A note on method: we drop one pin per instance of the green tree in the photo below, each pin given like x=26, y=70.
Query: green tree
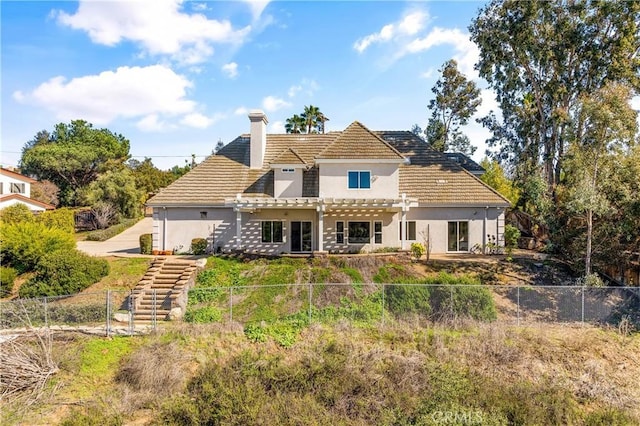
x=495, y=177
x=456, y=100
x=312, y=120
x=119, y=188
x=294, y=124
x=73, y=156
x=541, y=57
x=608, y=130
x=148, y=177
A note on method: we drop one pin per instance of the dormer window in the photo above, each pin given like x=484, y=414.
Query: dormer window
x=288, y=170
x=360, y=179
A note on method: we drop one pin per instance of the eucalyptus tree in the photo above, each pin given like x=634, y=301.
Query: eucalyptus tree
x=541, y=58
x=456, y=100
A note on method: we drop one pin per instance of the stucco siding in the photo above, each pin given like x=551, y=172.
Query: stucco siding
x=287, y=185
x=334, y=180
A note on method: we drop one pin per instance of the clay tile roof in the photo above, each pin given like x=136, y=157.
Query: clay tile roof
x=431, y=177
x=16, y=175
x=358, y=142
x=288, y=156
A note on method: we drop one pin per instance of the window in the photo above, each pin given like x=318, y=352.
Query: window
x=458, y=236
x=340, y=232
x=288, y=170
x=359, y=232
x=203, y=215
x=359, y=180
x=17, y=188
x=377, y=232
x=272, y=231
x=410, y=235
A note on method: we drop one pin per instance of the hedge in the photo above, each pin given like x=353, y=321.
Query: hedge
x=7, y=278
x=112, y=231
x=64, y=272
x=146, y=243
x=198, y=246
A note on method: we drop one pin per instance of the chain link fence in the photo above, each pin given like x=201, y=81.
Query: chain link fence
x=123, y=312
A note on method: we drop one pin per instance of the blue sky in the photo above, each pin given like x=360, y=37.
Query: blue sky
x=174, y=77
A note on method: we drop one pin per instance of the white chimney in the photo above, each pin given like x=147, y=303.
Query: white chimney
x=258, y=140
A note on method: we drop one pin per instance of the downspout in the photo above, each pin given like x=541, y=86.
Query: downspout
x=164, y=229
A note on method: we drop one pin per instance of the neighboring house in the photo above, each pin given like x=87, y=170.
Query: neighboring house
x=340, y=192
x=16, y=188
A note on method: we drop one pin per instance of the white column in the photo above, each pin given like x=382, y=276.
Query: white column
x=403, y=226
x=164, y=229
x=238, y=229
x=484, y=230
x=320, y=227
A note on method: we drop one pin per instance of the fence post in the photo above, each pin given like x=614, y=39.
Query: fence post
x=230, y=305
x=583, y=306
x=108, y=319
x=310, y=295
x=382, y=310
x=452, y=310
x=518, y=306
x=46, y=314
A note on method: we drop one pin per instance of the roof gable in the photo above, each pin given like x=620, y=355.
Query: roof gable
x=288, y=156
x=357, y=142
x=16, y=175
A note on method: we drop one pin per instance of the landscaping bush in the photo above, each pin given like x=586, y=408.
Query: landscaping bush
x=417, y=250
x=16, y=213
x=105, y=234
x=64, y=272
x=462, y=301
x=203, y=315
x=60, y=219
x=198, y=246
x=7, y=277
x=25, y=243
x=404, y=299
x=146, y=243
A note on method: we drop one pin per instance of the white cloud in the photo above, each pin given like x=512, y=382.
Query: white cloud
x=306, y=86
x=151, y=123
x=127, y=92
x=466, y=55
x=277, y=127
x=428, y=73
x=257, y=7
x=241, y=111
x=411, y=24
x=197, y=120
x=230, y=69
x=272, y=103
x=160, y=27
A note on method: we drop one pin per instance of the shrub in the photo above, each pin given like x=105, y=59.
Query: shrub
x=199, y=246
x=462, y=300
x=417, y=250
x=61, y=219
x=146, y=243
x=203, y=315
x=64, y=272
x=511, y=236
x=403, y=299
x=16, y=213
x=105, y=234
x=7, y=277
x=25, y=243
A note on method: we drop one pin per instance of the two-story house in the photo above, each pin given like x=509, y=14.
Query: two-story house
x=16, y=188
x=340, y=192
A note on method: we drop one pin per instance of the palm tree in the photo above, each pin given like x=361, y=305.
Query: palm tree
x=295, y=124
x=321, y=120
x=310, y=116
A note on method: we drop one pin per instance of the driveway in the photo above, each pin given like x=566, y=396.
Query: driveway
x=127, y=243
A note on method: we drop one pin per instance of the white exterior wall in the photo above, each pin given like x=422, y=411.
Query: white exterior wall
x=174, y=228
x=436, y=220
x=287, y=185
x=219, y=227
x=6, y=186
x=334, y=181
